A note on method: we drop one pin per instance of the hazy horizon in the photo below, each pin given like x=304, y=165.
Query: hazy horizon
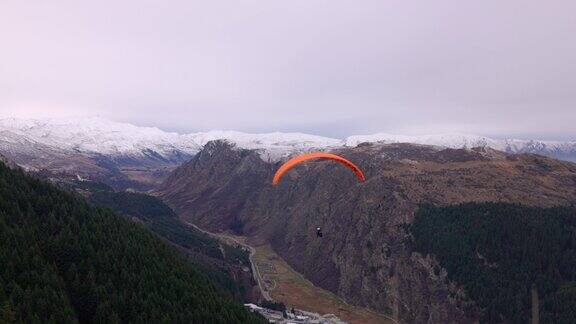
x=497, y=69
x=185, y=132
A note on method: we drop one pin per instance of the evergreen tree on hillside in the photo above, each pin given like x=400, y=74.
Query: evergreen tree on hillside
x=64, y=261
x=214, y=258
x=500, y=251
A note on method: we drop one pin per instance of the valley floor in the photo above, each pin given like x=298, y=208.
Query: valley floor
x=291, y=288
x=279, y=282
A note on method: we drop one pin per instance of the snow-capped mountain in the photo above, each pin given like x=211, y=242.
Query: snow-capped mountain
x=272, y=146
x=561, y=150
x=446, y=140
x=114, y=139
x=100, y=136
x=125, y=155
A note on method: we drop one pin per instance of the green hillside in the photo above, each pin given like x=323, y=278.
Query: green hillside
x=64, y=261
x=159, y=218
x=498, y=252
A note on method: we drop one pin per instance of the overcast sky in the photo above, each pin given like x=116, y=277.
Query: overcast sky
x=334, y=68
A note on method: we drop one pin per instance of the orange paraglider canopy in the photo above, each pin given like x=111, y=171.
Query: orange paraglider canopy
x=318, y=155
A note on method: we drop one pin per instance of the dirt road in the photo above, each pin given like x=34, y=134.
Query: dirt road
x=255, y=271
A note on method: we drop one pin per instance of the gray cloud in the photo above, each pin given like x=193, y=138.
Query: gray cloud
x=500, y=68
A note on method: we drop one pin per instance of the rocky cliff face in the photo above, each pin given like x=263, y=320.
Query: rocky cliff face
x=363, y=256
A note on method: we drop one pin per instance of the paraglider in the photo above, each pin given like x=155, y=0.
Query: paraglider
x=318, y=155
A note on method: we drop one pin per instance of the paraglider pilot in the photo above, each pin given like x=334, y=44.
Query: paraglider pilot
x=293, y=162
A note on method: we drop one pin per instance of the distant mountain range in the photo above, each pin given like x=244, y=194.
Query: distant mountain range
x=115, y=139
x=564, y=150
x=127, y=156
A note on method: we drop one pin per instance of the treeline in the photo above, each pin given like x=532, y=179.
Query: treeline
x=499, y=251
x=212, y=257
x=160, y=218
x=63, y=261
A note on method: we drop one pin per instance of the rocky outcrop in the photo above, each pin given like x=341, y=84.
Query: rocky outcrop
x=363, y=256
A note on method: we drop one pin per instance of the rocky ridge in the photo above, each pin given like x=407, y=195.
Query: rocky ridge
x=132, y=157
